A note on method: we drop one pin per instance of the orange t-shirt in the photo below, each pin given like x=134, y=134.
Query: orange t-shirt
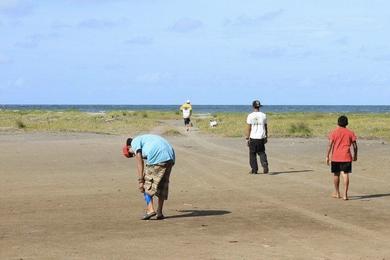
x=342, y=139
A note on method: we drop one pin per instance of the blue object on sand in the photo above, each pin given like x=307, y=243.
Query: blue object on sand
x=148, y=198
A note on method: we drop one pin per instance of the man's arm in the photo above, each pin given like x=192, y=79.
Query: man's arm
x=140, y=171
x=266, y=133
x=248, y=132
x=355, y=151
x=328, y=152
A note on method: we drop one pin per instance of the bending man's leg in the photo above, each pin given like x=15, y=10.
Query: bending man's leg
x=163, y=189
x=150, y=205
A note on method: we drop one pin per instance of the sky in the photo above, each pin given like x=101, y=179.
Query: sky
x=160, y=52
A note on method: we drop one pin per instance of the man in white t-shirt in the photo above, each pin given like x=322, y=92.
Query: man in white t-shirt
x=256, y=137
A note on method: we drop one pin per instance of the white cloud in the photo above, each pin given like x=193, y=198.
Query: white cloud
x=378, y=79
x=383, y=57
x=4, y=59
x=140, y=40
x=244, y=20
x=185, y=25
x=268, y=53
x=96, y=24
x=60, y=25
x=153, y=78
x=16, y=7
x=342, y=41
x=95, y=1
x=33, y=40
x=16, y=83
x=6, y=4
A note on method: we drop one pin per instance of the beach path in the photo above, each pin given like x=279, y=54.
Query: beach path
x=74, y=196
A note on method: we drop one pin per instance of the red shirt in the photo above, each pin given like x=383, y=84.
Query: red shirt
x=342, y=139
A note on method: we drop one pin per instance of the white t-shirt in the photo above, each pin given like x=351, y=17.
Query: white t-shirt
x=186, y=113
x=257, y=120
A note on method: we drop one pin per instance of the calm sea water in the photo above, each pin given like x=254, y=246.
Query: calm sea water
x=200, y=109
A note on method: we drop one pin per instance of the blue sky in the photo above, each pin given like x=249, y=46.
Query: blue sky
x=212, y=52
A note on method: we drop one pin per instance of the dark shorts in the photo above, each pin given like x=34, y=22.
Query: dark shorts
x=338, y=167
x=187, y=121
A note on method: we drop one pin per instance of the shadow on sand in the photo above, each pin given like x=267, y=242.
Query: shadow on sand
x=199, y=213
x=297, y=171
x=372, y=196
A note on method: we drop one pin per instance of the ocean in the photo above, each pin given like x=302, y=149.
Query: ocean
x=207, y=109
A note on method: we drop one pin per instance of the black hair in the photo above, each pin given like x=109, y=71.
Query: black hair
x=128, y=141
x=342, y=121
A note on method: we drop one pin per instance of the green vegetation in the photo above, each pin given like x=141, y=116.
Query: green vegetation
x=20, y=124
x=366, y=126
x=172, y=132
x=300, y=129
x=115, y=122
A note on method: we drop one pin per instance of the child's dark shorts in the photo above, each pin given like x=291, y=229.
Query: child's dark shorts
x=187, y=121
x=338, y=167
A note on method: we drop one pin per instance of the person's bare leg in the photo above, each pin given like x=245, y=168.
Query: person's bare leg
x=346, y=185
x=160, y=207
x=336, y=183
x=150, y=207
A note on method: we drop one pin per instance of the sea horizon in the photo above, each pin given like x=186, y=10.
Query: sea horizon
x=200, y=109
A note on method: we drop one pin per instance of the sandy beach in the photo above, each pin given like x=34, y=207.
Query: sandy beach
x=74, y=196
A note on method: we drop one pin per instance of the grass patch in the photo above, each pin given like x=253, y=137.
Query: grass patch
x=115, y=122
x=172, y=132
x=20, y=124
x=366, y=126
x=299, y=130
x=298, y=124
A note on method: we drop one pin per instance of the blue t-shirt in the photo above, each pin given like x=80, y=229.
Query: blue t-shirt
x=154, y=148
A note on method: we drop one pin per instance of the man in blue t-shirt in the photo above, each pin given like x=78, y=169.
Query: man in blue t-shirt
x=153, y=176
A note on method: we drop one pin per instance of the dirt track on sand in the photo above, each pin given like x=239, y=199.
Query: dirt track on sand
x=74, y=196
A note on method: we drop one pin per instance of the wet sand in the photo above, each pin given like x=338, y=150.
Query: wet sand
x=74, y=196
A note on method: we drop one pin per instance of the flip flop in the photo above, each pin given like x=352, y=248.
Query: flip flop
x=160, y=217
x=148, y=215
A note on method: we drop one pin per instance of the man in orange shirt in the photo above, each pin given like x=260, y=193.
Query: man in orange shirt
x=339, y=155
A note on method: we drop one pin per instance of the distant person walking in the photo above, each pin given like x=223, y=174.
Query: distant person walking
x=186, y=110
x=256, y=137
x=153, y=178
x=339, y=155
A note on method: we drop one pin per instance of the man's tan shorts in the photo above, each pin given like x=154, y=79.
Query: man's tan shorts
x=157, y=179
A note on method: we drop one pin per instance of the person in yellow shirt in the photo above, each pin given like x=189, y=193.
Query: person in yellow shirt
x=186, y=110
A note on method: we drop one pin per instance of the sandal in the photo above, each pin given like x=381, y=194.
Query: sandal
x=160, y=217
x=148, y=215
